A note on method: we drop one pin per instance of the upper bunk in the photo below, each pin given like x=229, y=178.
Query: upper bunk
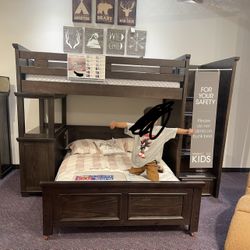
x=46, y=73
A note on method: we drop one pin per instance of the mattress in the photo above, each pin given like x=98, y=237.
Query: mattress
x=119, y=82
x=100, y=167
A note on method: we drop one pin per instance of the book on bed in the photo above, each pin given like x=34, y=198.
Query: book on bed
x=94, y=178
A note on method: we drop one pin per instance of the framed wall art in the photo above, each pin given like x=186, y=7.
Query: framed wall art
x=105, y=10
x=116, y=41
x=94, y=41
x=127, y=12
x=81, y=11
x=72, y=39
x=136, y=43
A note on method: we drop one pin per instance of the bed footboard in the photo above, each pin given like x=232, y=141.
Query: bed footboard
x=100, y=204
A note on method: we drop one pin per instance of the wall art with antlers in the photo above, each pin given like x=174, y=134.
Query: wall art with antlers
x=72, y=39
x=127, y=12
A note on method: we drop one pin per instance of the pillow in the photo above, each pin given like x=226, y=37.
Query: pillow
x=84, y=146
x=110, y=147
x=128, y=143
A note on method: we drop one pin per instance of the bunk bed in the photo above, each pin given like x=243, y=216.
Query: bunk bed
x=42, y=76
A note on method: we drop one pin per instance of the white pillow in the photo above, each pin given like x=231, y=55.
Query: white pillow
x=83, y=146
x=110, y=147
x=128, y=143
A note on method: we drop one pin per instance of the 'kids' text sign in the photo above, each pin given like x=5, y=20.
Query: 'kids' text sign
x=204, y=119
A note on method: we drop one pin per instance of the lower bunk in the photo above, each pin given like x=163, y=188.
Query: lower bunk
x=123, y=200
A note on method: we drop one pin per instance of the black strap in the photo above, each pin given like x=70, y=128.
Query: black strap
x=145, y=124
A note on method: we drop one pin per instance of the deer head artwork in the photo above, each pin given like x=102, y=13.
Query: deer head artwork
x=127, y=9
x=72, y=41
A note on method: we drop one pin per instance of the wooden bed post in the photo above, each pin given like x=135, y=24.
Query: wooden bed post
x=195, y=213
x=51, y=116
x=47, y=215
x=20, y=115
x=20, y=100
x=183, y=106
x=64, y=110
x=41, y=115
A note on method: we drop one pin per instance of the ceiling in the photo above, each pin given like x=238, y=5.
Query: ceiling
x=231, y=7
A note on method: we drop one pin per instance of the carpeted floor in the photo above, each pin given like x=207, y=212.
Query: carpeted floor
x=21, y=224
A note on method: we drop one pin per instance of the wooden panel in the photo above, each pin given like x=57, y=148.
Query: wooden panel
x=145, y=61
x=166, y=70
x=43, y=55
x=222, y=64
x=145, y=76
x=60, y=146
x=101, y=90
x=208, y=187
x=37, y=164
x=5, y=144
x=4, y=131
x=43, y=71
x=51, y=117
x=133, y=68
x=109, y=204
x=93, y=132
x=43, y=63
x=157, y=206
x=89, y=207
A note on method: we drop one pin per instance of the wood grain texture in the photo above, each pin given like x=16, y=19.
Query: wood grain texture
x=120, y=204
x=74, y=88
x=5, y=142
x=93, y=132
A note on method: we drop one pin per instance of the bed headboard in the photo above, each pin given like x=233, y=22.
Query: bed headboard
x=76, y=132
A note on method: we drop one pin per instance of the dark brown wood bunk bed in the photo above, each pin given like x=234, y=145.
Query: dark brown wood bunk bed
x=100, y=203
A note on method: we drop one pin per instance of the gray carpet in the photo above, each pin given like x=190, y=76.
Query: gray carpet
x=21, y=224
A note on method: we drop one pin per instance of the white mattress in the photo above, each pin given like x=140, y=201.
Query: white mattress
x=121, y=82
x=79, y=165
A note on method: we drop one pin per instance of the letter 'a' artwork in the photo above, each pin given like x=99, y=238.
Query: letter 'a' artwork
x=105, y=10
x=127, y=12
x=81, y=11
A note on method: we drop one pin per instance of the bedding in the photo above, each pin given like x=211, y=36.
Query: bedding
x=85, y=146
x=121, y=82
x=110, y=147
x=117, y=165
x=128, y=143
x=94, y=146
x=106, y=147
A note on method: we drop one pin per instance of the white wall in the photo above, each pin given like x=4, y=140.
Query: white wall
x=238, y=142
x=173, y=29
